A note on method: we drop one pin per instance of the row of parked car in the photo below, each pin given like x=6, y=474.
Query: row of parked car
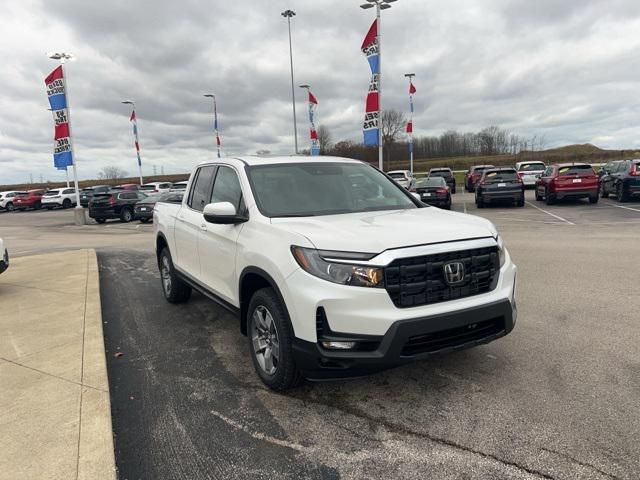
x=126, y=202
x=617, y=178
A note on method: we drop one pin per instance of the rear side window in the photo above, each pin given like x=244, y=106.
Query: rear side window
x=68, y=191
x=227, y=188
x=201, y=190
x=575, y=170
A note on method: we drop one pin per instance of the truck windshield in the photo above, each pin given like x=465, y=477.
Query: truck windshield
x=314, y=188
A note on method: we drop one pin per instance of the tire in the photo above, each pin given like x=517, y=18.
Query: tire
x=37, y=206
x=144, y=220
x=453, y=190
x=520, y=203
x=126, y=215
x=101, y=220
x=479, y=202
x=269, y=333
x=9, y=207
x=174, y=289
x=66, y=203
x=621, y=195
x=594, y=198
x=538, y=196
x=548, y=198
x=603, y=192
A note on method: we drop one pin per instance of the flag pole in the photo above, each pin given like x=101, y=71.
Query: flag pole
x=379, y=33
x=410, y=77
x=215, y=120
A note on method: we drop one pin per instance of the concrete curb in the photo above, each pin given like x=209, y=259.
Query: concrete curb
x=54, y=390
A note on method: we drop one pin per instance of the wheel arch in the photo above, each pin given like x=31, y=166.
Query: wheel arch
x=161, y=242
x=251, y=280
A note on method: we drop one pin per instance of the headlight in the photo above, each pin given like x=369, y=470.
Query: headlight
x=310, y=261
x=501, y=250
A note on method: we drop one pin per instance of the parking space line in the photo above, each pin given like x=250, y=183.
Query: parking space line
x=626, y=208
x=549, y=213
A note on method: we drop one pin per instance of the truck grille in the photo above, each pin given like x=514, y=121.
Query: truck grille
x=453, y=337
x=416, y=281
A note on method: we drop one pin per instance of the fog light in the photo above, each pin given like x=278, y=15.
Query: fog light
x=338, y=345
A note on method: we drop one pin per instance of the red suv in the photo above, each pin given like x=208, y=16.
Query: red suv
x=473, y=175
x=30, y=199
x=567, y=180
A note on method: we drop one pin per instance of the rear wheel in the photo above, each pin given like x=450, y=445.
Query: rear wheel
x=9, y=206
x=174, y=289
x=101, y=220
x=126, y=215
x=621, y=195
x=593, y=198
x=549, y=198
x=270, y=341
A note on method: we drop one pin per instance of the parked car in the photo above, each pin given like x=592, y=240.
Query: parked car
x=7, y=199
x=529, y=172
x=155, y=187
x=567, y=180
x=610, y=166
x=500, y=184
x=126, y=186
x=473, y=176
x=86, y=194
x=179, y=187
x=327, y=282
x=447, y=174
x=143, y=210
x=60, y=197
x=30, y=199
x=404, y=178
x=114, y=204
x=4, y=260
x=623, y=182
x=434, y=191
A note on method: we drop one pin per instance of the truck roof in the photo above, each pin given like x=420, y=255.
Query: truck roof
x=270, y=160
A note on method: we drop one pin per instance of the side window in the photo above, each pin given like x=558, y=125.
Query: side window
x=227, y=188
x=201, y=189
x=624, y=166
x=68, y=191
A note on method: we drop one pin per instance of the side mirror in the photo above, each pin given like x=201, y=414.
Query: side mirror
x=223, y=213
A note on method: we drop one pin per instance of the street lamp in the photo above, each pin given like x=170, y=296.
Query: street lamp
x=380, y=5
x=215, y=120
x=288, y=14
x=134, y=120
x=62, y=57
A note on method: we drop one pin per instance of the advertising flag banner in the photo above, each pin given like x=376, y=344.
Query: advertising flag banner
x=134, y=123
x=313, y=134
x=412, y=90
x=62, y=156
x=371, y=123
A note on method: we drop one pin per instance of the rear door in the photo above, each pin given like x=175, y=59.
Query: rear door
x=190, y=221
x=217, y=244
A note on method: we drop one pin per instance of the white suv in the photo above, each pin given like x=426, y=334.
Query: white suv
x=61, y=197
x=403, y=177
x=530, y=171
x=6, y=200
x=333, y=269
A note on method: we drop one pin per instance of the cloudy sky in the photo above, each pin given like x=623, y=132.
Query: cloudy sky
x=568, y=70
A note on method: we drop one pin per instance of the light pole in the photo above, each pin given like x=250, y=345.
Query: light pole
x=288, y=14
x=410, y=77
x=380, y=5
x=134, y=121
x=215, y=120
x=62, y=57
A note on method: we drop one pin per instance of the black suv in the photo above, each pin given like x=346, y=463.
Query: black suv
x=500, y=184
x=114, y=204
x=86, y=194
x=623, y=181
x=445, y=173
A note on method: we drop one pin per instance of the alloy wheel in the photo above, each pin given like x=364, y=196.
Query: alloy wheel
x=265, y=340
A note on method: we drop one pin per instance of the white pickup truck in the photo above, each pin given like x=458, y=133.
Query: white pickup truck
x=332, y=268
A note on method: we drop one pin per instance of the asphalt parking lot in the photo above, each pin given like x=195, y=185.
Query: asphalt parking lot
x=559, y=398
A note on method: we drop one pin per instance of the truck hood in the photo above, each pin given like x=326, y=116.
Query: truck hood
x=375, y=232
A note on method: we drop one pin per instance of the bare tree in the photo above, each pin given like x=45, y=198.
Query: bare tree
x=324, y=139
x=394, y=123
x=111, y=172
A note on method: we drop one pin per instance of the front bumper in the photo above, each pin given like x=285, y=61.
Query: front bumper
x=407, y=341
x=138, y=214
x=4, y=262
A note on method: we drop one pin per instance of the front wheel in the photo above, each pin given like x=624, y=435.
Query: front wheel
x=66, y=203
x=270, y=341
x=621, y=195
x=603, y=192
x=174, y=289
x=548, y=198
x=126, y=216
x=10, y=207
